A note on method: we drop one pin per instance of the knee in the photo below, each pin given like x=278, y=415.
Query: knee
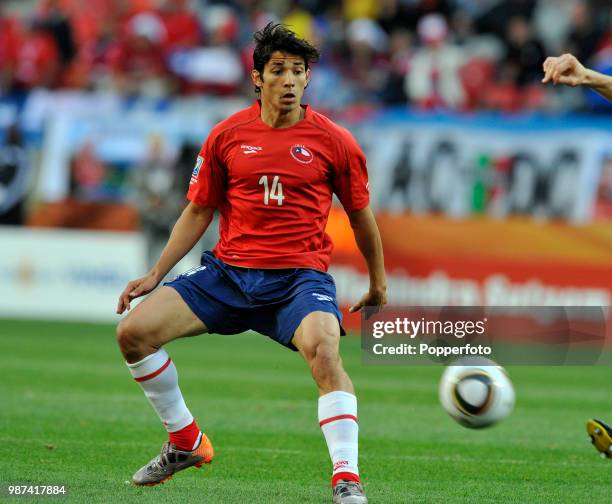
x=325, y=357
x=131, y=340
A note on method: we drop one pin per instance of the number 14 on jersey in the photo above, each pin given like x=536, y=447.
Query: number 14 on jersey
x=273, y=193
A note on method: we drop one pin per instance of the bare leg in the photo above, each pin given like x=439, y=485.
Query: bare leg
x=159, y=319
x=318, y=340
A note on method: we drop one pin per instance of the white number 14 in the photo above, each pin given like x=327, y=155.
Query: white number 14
x=276, y=193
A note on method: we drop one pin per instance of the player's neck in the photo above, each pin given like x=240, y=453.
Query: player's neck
x=280, y=119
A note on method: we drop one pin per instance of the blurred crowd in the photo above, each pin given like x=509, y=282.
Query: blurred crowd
x=431, y=54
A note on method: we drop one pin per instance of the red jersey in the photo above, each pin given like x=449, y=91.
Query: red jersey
x=274, y=187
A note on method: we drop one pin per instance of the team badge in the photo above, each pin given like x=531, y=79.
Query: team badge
x=301, y=154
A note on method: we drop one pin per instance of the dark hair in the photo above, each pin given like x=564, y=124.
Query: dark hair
x=277, y=37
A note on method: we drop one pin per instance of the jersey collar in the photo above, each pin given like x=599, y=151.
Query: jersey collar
x=257, y=109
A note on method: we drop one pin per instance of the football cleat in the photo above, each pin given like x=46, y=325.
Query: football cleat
x=601, y=437
x=349, y=492
x=172, y=460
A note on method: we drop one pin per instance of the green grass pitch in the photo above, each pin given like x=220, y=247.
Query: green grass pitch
x=70, y=414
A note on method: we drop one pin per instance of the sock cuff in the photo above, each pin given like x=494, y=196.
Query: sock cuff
x=182, y=423
x=337, y=404
x=151, y=365
x=345, y=476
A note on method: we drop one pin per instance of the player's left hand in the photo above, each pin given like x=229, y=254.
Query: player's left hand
x=374, y=297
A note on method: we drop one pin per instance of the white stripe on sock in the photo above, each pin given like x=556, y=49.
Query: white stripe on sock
x=197, y=443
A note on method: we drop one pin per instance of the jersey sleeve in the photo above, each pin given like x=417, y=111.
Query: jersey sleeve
x=351, y=175
x=207, y=183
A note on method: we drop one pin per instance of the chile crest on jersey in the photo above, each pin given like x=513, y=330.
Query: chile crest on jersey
x=295, y=160
x=301, y=153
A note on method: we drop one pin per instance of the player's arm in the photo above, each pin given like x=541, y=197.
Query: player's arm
x=566, y=69
x=369, y=242
x=188, y=229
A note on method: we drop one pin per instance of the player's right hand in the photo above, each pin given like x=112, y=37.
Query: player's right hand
x=564, y=69
x=134, y=289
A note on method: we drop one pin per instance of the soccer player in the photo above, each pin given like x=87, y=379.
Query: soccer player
x=271, y=170
x=566, y=69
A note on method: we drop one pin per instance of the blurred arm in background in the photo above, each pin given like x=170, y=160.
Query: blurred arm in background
x=566, y=69
x=188, y=229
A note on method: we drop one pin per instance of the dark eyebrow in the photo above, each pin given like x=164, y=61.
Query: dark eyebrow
x=281, y=63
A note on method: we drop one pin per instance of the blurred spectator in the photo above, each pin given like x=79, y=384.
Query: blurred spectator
x=460, y=54
x=37, y=59
x=182, y=25
x=525, y=53
x=9, y=48
x=14, y=178
x=517, y=76
x=87, y=174
x=475, y=8
x=300, y=20
x=585, y=34
x=92, y=68
x=367, y=43
x=553, y=35
x=52, y=18
x=159, y=196
x=495, y=19
x=138, y=60
x=216, y=68
x=400, y=54
x=123, y=10
x=87, y=16
x=433, y=80
x=476, y=77
x=360, y=9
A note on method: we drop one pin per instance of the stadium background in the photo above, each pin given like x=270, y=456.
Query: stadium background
x=489, y=188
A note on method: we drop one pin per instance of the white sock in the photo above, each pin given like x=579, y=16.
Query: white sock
x=157, y=376
x=338, y=421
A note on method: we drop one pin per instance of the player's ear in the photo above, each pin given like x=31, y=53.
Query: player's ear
x=307, y=78
x=256, y=78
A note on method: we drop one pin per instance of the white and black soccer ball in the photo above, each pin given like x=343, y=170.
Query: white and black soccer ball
x=476, y=392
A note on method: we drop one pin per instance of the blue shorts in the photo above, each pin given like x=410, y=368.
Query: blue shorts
x=230, y=300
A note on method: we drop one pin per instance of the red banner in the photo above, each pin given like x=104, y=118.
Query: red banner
x=432, y=260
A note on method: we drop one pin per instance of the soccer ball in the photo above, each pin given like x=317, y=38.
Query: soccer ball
x=476, y=392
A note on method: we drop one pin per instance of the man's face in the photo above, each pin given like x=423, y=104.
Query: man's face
x=283, y=81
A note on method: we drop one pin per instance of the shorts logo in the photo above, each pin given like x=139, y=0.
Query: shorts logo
x=196, y=170
x=301, y=154
x=322, y=297
x=193, y=271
